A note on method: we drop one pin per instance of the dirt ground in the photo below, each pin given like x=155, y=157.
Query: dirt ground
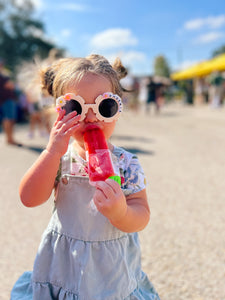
x=182, y=151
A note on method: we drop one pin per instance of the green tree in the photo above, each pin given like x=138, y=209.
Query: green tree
x=161, y=66
x=21, y=35
x=218, y=51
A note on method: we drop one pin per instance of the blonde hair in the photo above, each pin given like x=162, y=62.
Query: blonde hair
x=66, y=71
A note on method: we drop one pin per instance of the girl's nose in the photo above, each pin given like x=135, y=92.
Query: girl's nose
x=90, y=116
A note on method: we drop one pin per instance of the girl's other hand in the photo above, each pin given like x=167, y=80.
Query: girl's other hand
x=63, y=128
x=110, y=200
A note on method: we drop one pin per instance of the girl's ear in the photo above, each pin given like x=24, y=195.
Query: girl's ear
x=119, y=68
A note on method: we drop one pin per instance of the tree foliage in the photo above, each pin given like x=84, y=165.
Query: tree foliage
x=218, y=51
x=22, y=36
x=161, y=66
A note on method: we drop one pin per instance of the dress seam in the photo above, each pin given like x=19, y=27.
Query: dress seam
x=80, y=239
x=75, y=293
x=56, y=284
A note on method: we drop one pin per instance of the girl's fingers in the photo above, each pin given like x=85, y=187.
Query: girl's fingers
x=67, y=120
x=69, y=116
x=99, y=198
x=113, y=184
x=60, y=116
x=109, y=185
x=66, y=126
x=72, y=129
x=106, y=189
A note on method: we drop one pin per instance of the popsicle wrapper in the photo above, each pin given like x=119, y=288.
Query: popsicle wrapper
x=100, y=165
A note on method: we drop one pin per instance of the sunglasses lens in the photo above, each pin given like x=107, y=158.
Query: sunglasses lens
x=108, y=108
x=72, y=105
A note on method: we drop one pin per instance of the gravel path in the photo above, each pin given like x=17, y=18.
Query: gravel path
x=182, y=151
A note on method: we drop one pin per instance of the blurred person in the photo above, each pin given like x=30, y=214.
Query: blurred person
x=22, y=106
x=134, y=93
x=8, y=106
x=127, y=84
x=47, y=103
x=198, y=90
x=39, y=104
x=223, y=90
x=205, y=90
x=160, y=94
x=152, y=95
x=40, y=113
x=143, y=93
x=35, y=117
x=188, y=87
x=216, y=89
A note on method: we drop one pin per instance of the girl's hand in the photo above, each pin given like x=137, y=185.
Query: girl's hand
x=61, y=132
x=110, y=200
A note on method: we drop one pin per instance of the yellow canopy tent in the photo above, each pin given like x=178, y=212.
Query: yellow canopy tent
x=201, y=69
x=218, y=63
x=215, y=64
x=187, y=73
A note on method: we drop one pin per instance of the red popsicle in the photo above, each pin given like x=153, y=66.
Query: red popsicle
x=100, y=165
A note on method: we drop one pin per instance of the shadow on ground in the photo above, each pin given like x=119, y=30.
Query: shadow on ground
x=139, y=151
x=132, y=138
x=32, y=148
x=135, y=150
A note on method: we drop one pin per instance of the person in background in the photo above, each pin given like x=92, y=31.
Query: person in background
x=216, y=89
x=47, y=104
x=8, y=106
x=152, y=95
x=35, y=118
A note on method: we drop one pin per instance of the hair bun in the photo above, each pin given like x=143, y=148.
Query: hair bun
x=119, y=68
x=47, y=80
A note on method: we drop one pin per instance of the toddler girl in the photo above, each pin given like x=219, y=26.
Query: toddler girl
x=86, y=254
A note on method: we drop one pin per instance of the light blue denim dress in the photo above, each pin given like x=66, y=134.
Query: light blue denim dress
x=82, y=256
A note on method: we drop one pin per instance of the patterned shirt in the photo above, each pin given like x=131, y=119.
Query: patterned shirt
x=127, y=165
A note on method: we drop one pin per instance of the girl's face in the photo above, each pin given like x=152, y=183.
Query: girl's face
x=89, y=88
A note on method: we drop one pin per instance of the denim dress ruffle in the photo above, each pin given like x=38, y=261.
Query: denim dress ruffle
x=82, y=256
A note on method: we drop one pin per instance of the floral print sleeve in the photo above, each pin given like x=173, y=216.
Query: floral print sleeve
x=125, y=163
x=131, y=172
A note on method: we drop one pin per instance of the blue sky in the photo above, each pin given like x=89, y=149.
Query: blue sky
x=184, y=32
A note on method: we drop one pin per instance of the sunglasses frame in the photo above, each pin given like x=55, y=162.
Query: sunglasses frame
x=61, y=102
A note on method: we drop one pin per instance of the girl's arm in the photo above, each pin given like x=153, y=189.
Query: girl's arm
x=137, y=214
x=37, y=184
x=129, y=214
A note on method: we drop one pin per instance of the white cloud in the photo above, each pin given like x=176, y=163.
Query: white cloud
x=40, y=5
x=37, y=3
x=194, y=24
x=72, y=7
x=136, y=61
x=62, y=37
x=127, y=57
x=209, y=37
x=113, y=38
x=65, y=33
x=209, y=22
x=133, y=56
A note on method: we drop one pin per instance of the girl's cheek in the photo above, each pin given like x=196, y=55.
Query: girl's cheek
x=109, y=129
